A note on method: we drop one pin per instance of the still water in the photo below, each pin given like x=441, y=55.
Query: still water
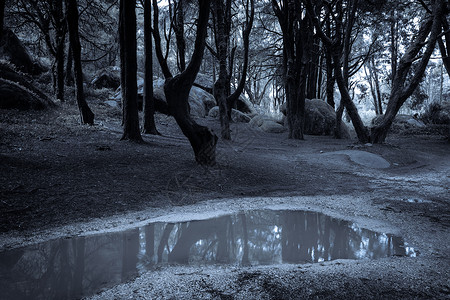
x=76, y=267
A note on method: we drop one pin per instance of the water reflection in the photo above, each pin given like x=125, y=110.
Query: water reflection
x=72, y=268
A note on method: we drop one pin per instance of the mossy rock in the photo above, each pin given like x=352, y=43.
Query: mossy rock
x=15, y=96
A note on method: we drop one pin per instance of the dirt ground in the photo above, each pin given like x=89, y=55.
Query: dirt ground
x=59, y=178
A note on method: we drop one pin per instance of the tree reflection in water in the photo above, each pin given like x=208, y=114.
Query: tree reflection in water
x=71, y=268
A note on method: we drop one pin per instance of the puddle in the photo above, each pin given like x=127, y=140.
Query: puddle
x=76, y=267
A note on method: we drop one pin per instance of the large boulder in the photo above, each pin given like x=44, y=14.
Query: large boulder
x=15, y=96
x=271, y=126
x=108, y=77
x=236, y=115
x=8, y=72
x=320, y=118
x=204, y=82
x=401, y=123
x=200, y=101
x=266, y=124
x=13, y=50
x=245, y=106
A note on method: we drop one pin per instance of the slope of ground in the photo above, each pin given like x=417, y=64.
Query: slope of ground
x=59, y=178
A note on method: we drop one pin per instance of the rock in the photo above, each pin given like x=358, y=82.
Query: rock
x=236, y=115
x=271, y=127
x=12, y=49
x=9, y=73
x=204, y=82
x=401, y=123
x=266, y=124
x=112, y=103
x=320, y=118
x=200, y=101
x=258, y=120
x=245, y=106
x=107, y=78
x=15, y=96
x=364, y=158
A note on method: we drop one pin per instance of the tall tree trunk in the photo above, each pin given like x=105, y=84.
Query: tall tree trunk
x=295, y=39
x=445, y=48
x=122, y=58
x=158, y=51
x=369, y=78
x=250, y=13
x=320, y=76
x=401, y=91
x=177, y=89
x=69, y=66
x=179, y=34
x=2, y=16
x=394, y=38
x=59, y=61
x=336, y=46
x=128, y=54
x=313, y=66
x=377, y=88
x=60, y=29
x=87, y=116
x=149, y=104
x=329, y=68
x=220, y=86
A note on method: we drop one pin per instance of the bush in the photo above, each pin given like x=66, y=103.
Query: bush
x=437, y=114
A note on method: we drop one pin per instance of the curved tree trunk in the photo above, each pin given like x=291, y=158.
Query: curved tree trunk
x=87, y=116
x=361, y=131
x=231, y=99
x=431, y=25
x=177, y=89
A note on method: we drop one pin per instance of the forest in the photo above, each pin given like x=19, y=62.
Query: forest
x=224, y=149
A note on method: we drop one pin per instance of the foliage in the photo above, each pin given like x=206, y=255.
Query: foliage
x=437, y=113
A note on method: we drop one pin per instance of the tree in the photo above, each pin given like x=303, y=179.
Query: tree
x=402, y=88
x=87, y=116
x=178, y=27
x=297, y=32
x=128, y=65
x=339, y=44
x=149, y=105
x=444, y=48
x=222, y=19
x=49, y=18
x=177, y=89
x=372, y=78
x=2, y=16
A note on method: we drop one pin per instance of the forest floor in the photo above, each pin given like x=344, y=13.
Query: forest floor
x=59, y=179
